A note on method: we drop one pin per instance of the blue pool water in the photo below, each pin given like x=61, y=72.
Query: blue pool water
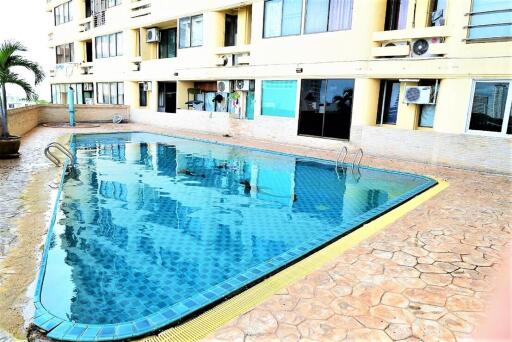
x=150, y=229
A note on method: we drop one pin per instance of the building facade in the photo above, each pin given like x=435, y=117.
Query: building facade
x=426, y=80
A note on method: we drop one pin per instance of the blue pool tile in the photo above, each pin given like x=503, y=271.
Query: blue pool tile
x=60, y=331
x=124, y=330
x=50, y=324
x=42, y=319
x=169, y=314
x=90, y=333
x=158, y=320
x=106, y=333
x=142, y=326
x=75, y=332
x=173, y=242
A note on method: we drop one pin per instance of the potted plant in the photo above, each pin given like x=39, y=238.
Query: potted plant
x=9, y=60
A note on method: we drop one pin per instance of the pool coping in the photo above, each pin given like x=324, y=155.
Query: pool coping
x=171, y=316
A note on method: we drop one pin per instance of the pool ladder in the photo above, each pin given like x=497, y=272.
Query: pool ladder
x=53, y=158
x=342, y=156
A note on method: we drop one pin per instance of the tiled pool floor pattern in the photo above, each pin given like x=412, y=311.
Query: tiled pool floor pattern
x=428, y=276
x=137, y=240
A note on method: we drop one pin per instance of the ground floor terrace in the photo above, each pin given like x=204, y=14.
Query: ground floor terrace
x=437, y=273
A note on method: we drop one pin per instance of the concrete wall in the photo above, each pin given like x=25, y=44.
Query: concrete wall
x=59, y=113
x=22, y=120
x=476, y=152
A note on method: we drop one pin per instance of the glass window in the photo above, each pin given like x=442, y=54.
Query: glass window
x=396, y=15
x=106, y=93
x=427, y=114
x=64, y=53
x=109, y=45
x=167, y=45
x=197, y=31
x=278, y=98
x=489, y=107
x=113, y=93
x=98, y=47
x=119, y=44
x=99, y=90
x=120, y=93
x=143, y=96
x=292, y=17
x=388, y=102
x=185, y=32
x=316, y=16
x=105, y=46
x=63, y=13
x=340, y=15
x=112, y=45
x=273, y=16
x=191, y=31
x=282, y=18
x=490, y=19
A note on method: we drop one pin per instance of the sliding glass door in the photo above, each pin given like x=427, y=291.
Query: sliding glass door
x=326, y=108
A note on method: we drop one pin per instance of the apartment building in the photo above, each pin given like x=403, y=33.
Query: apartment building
x=427, y=80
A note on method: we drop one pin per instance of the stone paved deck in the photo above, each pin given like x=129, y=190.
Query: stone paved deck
x=428, y=276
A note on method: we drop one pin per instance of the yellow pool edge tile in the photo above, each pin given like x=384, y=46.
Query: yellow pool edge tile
x=213, y=319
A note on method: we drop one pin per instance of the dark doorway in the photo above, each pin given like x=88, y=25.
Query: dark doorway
x=230, y=30
x=88, y=51
x=88, y=8
x=326, y=108
x=167, y=97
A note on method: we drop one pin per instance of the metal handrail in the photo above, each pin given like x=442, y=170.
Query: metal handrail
x=343, y=149
x=53, y=158
x=356, y=162
x=359, y=153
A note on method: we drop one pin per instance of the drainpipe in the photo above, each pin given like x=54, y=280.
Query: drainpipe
x=71, y=106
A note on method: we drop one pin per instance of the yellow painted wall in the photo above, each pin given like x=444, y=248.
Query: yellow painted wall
x=341, y=54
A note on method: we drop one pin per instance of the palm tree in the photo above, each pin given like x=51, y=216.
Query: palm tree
x=9, y=59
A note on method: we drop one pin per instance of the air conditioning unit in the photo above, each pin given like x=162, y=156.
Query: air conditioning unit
x=226, y=60
x=420, y=47
x=243, y=85
x=224, y=86
x=152, y=35
x=418, y=95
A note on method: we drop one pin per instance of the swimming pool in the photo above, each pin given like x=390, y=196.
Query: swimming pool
x=150, y=229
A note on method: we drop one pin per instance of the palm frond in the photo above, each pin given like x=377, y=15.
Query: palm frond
x=19, y=61
x=7, y=49
x=14, y=78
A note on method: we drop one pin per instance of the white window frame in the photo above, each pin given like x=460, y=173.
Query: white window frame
x=506, y=117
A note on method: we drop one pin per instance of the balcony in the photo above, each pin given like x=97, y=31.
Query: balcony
x=399, y=43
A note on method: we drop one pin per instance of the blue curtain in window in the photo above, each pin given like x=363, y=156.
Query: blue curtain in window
x=317, y=12
x=292, y=17
x=501, y=21
x=340, y=15
x=273, y=16
x=279, y=98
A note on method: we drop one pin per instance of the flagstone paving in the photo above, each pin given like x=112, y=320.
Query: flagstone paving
x=428, y=276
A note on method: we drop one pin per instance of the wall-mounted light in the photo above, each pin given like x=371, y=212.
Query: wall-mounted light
x=299, y=70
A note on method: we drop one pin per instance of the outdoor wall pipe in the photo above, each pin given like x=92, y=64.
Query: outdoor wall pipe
x=71, y=106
